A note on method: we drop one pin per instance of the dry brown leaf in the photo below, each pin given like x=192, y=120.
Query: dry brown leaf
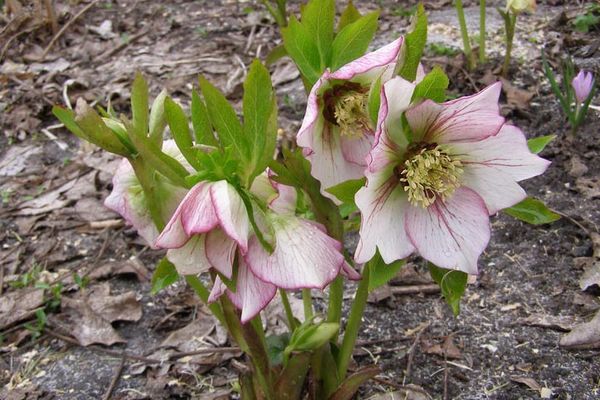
x=409, y=392
x=18, y=305
x=584, y=336
x=192, y=336
x=17, y=159
x=589, y=187
x=515, y=97
x=591, y=276
x=447, y=349
x=123, y=267
x=530, y=382
x=562, y=323
x=89, y=315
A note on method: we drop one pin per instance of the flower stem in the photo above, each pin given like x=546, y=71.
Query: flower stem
x=254, y=336
x=509, y=25
x=307, y=303
x=288, y=310
x=354, y=320
x=336, y=297
x=481, y=31
x=464, y=33
x=203, y=293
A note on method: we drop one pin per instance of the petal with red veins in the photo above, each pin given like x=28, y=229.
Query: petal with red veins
x=231, y=212
x=383, y=204
x=453, y=233
x=304, y=256
x=395, y=99
x=220, y=251
x=468, y=118
x=252, y=294
x=190, y=259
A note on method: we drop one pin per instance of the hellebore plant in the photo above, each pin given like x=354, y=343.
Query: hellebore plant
x=243, y=222
x=513, y=9
x=575, y=93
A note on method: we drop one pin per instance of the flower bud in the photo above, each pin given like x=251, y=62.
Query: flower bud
x=519, y=6
x=582, y=84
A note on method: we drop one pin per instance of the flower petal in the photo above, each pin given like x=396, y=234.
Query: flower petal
x=383, y=204
x=468, y=118
x=190, y=259
x=304, y=256
x=395, y=99
x=451, y=234
x=220, y=251
x=252, y=294
x=231, y=212
x=356, y=149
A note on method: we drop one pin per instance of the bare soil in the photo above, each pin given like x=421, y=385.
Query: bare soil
x=504, y=343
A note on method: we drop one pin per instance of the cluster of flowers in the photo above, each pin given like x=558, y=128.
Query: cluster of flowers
x=434, y=174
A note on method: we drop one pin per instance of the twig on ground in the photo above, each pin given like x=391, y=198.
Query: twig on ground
x=411, y=353
x=115, y=381
x=65, y=27
x=415, y=289
x=122, y=45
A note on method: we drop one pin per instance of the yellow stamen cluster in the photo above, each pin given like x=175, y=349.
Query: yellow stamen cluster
x=351, y=114
x=428, y=174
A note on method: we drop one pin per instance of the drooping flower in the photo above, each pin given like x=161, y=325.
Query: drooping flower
x=433, y=183
x=337, y=131
x=519, y=6
x=582, y=85
x=128, y=199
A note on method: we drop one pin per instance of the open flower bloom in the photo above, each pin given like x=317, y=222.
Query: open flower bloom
x=582, y=85
x=304, y=256
x=337, y=131
x=128, y=199
x=432, y=186
x=206, y=229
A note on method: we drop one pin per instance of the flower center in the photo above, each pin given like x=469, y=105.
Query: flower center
x=428, y=174
x=346, y=107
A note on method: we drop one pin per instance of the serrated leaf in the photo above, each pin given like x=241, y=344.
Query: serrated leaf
x=139, y=104
x=318, y=17
x=203, y=130
x=382, y=273
x=349, y=15
x=301, y=47
x=345, y=191
x=532, y=211
x=164, y=275
x=536, y=145
x=433, y=86
x=96, y=131
x=260, y=118
x=178, y=123
x=352, y=41
x=414, y=45
x=452, y=283
x=225, y=121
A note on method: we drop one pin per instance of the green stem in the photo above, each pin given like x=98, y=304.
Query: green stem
x=203, y=293
x=481, y=31
x=288, y=310
x=336, y=298
x=232, y=323
x=254, y=337
x=354, y=321
x=307, y=303
x=464, y=33
x=509, y=24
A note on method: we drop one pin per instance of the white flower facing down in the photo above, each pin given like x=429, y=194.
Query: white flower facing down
x=432, y=186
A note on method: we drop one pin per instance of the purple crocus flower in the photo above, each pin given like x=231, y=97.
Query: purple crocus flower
x=582, y=84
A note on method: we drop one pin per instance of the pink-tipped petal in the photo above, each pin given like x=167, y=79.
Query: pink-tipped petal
x=220, y=251
x=395, y=99
x=190, y=259
x=231, y=212
x=453, y=233
x=350, y=272
x=194, y=215
x=252, y=294
x=218, y=289
x=383, y=204
x=468, y=118
x=313, y=120
x=304, y=256
x=373, y=64
x=493, y=166
x=285, y=202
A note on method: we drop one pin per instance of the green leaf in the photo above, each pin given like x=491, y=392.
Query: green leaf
x=276, y=344
x=139, y=104
x=178, y=123
x=414, y=44
x=310, y=336
x=536, y=145
x=203, y=130
x=382, y=273
x=67, y=117
x=301, y=47
x=433, y=86
x=453, y=284
x=345, y=191
x=353, y=41
x=349, y=15
x=157, y=122
x=275, y=54
x=260, y=118
x=291, y=380
x=164, y=275
x=351, y=384
x=533, y=212
x=96, y=131
x=374, y=101
x=318, y=17
x=224, y=120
